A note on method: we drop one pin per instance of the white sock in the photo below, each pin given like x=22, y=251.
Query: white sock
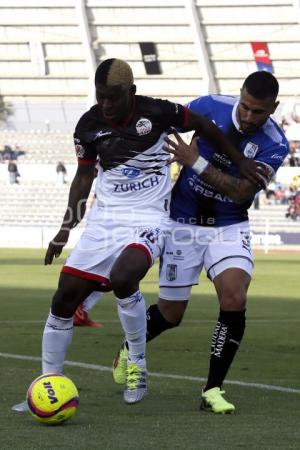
x=132, y=314
x=91, y=300
x=57, y=337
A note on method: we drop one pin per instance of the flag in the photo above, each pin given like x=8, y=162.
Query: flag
x=150, y=58
x=262, y=56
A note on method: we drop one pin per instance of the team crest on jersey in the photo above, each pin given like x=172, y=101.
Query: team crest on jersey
x=131, y=173
x=143, y=126
x=250, y=150
x=171, y=272
x=80, y=151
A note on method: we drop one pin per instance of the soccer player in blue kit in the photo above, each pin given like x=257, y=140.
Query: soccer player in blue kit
x=210, y=224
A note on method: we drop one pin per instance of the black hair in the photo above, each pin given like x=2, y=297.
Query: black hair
x=261, y=85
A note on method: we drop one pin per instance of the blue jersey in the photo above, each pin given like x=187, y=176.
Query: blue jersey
x=196, y=202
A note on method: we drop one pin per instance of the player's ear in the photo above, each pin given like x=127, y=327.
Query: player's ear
x=133, y=89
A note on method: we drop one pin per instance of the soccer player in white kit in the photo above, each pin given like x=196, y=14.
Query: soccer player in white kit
x=124, y=133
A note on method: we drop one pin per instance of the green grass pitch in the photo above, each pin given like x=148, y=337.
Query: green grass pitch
x=264, y=381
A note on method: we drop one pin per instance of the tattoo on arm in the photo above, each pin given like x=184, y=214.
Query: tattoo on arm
x=238, y=189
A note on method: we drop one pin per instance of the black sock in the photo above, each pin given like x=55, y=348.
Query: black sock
x=226, y=339
x=156, y=323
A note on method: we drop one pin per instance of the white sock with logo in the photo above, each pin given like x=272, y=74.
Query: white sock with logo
x=57, y=337
x=132, y=314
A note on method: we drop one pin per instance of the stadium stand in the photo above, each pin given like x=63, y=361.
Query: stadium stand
x=49, y=50
x=275, y=217
x=40, y=146
x=33, y=203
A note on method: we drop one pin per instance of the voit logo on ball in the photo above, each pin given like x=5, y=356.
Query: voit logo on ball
x=143, y=126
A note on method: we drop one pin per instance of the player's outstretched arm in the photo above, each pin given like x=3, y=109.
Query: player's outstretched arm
x=238, y=189
x=79, y=192
x=206, y=128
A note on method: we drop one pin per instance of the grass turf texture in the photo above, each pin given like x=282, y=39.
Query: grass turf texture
x=169, y=418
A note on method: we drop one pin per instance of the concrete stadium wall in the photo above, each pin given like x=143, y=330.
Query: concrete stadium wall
x=46, y=74
x=33, y=237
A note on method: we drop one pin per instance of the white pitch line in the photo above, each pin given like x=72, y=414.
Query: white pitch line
x=9, y=322
x=267, y=387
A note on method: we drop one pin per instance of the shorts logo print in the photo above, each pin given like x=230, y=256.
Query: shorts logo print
x=246, y=241
x=171, y=272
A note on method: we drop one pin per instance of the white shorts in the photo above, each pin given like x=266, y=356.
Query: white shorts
x=189, y=248
x=101, y=244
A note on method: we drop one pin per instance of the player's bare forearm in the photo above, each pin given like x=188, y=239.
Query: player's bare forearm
x=248, y=168
x=79, y=192
x=238, y=189
x=187, y=155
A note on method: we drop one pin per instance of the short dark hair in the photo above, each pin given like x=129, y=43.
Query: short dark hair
x=114, y=72
x=261, y=84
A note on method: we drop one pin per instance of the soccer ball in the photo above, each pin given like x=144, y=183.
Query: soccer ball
x=52, y=399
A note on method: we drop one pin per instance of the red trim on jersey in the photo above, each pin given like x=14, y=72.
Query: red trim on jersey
x=86, y=162
x=186, y=117
x=131, y=113
x=144, y=249
x=104, y=282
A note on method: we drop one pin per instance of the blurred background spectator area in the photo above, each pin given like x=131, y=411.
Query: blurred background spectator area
x=178, y=50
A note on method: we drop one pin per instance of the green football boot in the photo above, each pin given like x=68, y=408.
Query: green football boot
x=213, y=401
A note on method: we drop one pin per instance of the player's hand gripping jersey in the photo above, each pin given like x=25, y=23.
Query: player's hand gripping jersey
x=133, y=183
x=196, y=202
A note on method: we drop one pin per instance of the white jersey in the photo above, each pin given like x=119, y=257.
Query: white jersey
x=133, y=182
x=132, y=194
